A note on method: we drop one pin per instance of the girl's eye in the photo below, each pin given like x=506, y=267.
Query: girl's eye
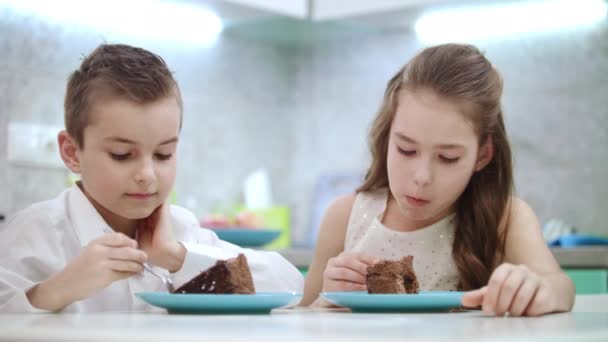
x=449, y=160
x=119, y=157
x=161, y=156
x=407, y=153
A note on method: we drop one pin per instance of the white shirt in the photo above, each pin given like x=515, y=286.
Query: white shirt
x=40, y=240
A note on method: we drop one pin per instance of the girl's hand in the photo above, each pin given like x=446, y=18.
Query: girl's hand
x=103, y=261
x=347, y=272
x=513, y=289
x=155, y=237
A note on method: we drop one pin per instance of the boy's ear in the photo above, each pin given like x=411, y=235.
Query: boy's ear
x=69, y=151
x=486, y=153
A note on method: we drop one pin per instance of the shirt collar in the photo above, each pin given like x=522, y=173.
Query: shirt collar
x=88, y=223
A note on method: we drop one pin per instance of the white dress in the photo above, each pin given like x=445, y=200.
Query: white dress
x=431, y=246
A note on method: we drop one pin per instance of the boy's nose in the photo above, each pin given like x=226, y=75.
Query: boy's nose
x=145, y=174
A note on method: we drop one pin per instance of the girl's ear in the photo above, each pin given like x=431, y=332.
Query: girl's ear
x=486, y=153
x=69, y=151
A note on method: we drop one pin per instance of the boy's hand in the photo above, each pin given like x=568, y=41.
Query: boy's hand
x=513, y=289
x=347, y=272
x=155, y=237
x=103, y=261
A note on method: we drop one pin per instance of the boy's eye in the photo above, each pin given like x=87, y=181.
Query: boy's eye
x=161, y=156
x=120, y=157
x=449, y=160
x=407, y=153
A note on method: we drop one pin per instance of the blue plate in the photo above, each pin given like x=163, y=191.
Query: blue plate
x=251, y=237
x=259, y=303
x=423, y=301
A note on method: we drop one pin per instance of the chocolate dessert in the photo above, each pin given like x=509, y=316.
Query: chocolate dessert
x=226, y=276
x=392, y=276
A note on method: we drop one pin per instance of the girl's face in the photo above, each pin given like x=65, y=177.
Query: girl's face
x=432, y=153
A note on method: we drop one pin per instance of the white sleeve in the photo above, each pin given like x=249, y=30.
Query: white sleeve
x=270, y=271
x=13, y=289
x=21, y=268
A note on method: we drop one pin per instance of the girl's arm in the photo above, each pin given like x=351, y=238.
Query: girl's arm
x=330, y=243
x=529, y=281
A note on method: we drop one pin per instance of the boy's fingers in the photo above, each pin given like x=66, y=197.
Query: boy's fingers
x=128, y=254
x=474, y=298
x=126, y=266
x=117, y=240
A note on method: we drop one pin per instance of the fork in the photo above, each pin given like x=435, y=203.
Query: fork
x=168, y=283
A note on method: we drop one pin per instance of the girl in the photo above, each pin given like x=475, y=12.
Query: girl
x=440, y=188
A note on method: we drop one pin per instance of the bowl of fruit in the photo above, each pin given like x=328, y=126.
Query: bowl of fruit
x=245, y=229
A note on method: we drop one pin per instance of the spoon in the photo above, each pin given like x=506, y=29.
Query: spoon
x=167, y=281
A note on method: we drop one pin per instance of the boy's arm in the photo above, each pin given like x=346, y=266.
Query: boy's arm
x=13, y=293
x=270, y=271
x=107, y=259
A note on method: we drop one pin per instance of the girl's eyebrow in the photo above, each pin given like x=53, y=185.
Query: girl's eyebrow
x=405, y=138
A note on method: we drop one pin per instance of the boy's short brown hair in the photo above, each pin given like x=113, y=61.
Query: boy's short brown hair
x=115, y=70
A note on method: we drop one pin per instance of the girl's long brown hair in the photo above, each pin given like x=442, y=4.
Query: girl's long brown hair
x=459, y=73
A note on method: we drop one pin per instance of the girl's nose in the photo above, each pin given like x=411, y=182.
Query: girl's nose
x=423, y=174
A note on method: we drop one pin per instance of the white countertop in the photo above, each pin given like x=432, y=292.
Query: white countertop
x=587, y=322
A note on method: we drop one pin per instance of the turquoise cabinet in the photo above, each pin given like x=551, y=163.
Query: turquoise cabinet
x=589, y=281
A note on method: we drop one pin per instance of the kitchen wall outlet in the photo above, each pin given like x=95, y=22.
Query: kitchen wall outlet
x=33, y=145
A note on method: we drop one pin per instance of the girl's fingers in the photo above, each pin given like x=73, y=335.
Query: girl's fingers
x=350, y=263
x=524, y=296
x=344, y=274
x=499, y=276
x=540, y=304
x=366, y=259
x=348, y=286
x=473, y=299
x=509, y=289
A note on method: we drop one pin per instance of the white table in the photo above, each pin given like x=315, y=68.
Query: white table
x=588, y=322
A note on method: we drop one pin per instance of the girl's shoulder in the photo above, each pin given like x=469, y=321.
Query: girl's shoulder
x=341, y=207
x=517, y=212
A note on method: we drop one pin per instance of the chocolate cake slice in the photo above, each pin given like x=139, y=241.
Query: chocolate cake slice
x=392, y=276
x=226, y=276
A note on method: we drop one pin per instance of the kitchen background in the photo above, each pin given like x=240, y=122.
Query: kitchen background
x=292, y=86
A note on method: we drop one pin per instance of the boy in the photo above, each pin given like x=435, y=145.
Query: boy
x=84, y=250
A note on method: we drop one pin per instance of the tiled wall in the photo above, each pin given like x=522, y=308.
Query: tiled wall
x=555, y=104
x=234, y=122
x=303, y=110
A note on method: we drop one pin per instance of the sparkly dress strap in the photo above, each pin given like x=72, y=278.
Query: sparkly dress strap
x=366, y=207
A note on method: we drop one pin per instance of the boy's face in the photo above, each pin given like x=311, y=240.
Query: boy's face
x=128, y=161
x=432, y=153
